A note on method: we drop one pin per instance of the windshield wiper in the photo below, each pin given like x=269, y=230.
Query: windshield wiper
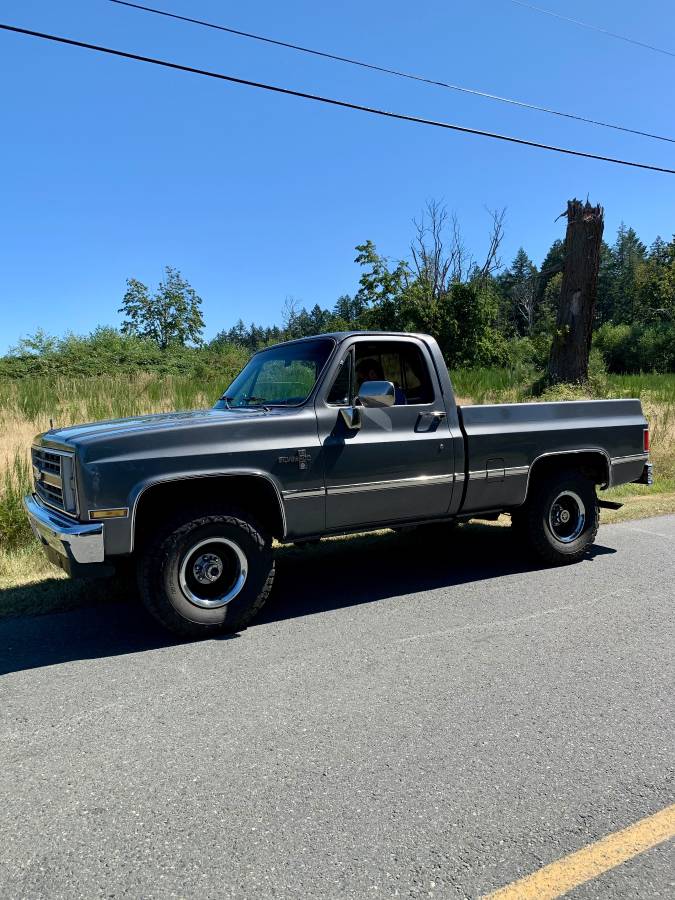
x=261, y=401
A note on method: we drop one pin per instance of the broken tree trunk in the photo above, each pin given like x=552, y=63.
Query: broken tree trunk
x=571, y=345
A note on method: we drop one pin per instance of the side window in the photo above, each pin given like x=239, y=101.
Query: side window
x=399, y=362
x=416, y=379
x=340, y=392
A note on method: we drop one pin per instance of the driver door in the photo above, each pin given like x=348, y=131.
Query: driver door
x=398, y=465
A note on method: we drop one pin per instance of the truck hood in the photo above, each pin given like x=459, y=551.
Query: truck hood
x=93, y=431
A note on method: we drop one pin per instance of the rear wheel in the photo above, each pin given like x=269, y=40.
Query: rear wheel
x=560, y=519
x=205, y=574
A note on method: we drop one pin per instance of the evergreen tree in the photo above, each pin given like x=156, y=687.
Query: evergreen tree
x=627, y=255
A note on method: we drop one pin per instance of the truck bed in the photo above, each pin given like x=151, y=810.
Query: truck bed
x=503, y=442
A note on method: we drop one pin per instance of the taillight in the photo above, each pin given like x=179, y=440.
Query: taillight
x=646, y=440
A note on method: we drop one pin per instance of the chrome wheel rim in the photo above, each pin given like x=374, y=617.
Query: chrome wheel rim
x=567, y=517
x=213, y=572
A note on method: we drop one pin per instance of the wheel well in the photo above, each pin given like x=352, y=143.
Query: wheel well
x=593, y=464
x=251, y=493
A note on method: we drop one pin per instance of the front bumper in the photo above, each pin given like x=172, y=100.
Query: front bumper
x=75, y=547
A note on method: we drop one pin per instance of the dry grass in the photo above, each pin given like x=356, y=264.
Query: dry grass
x=661, y=418
x=26, y=567
x=639, y=506
x=69, y=401
x=30, y=585
x=16, y=436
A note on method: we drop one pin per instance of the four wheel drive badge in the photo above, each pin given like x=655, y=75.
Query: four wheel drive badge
x=302, y=458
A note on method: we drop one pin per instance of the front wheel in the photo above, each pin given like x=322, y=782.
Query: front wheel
x=206, y=573
x=560, y=519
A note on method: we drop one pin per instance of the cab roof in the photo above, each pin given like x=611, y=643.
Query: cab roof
x=340, y=336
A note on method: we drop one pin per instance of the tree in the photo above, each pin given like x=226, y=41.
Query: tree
x=380, y=288
x=519, y=286
x=172, y=316
x=348, y=310
x=379, y=284
x=435, y=267
x=605, y=303
x=571, y=345
x=525, y=300
x=472, y=339
x=439, y=261
x=554, y=259
x=38, y=344
x=655, y=285
x=627, y=256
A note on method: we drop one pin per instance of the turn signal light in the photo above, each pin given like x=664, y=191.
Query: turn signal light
x=108, y=513
x=646, y=440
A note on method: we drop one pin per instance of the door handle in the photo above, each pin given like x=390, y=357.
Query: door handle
x=429, y=421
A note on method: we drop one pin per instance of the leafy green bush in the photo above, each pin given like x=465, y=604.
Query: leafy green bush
x=107, y=351
x=637, y=348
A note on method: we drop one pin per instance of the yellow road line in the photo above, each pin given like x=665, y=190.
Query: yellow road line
x=560, y=877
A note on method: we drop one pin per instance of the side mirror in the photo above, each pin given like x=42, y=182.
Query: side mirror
x=351, y=416
x=377, y=394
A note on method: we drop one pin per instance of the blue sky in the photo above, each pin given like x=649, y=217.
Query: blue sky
x=112, y=169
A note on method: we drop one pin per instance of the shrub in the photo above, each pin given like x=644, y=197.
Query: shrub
x=108, y=352
x=637, y=348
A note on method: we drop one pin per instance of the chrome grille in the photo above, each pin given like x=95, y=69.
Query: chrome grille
x=51, y=462
x=53, y=474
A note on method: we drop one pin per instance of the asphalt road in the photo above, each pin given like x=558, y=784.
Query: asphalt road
x=421, y=715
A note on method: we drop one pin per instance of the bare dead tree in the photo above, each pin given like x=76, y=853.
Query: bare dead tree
x=461, y=260
x=439, y=263
x=571, y=345
x=492, y=259
x=430, y=262
x=525, y=295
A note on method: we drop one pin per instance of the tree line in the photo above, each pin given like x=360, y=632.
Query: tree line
x=481, y=312
x=486, y=314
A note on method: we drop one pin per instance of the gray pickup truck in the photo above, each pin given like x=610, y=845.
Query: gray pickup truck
x=320, y=436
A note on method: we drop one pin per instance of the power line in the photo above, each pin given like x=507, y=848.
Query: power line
x=330, y=100
x=388, y=71
x=619, y=37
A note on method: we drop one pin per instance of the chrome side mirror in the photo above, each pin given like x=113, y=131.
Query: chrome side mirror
x=377, y=394
x=351, y=416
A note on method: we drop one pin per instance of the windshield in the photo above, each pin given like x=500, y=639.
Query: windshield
x=280, y=376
